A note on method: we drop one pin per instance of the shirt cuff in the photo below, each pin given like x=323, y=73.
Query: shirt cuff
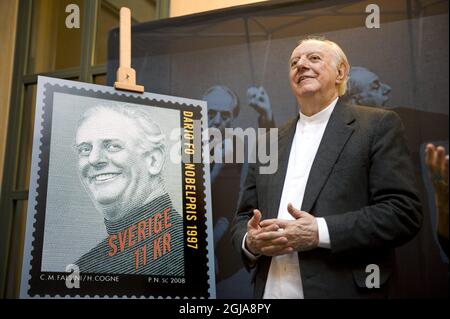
x=247, y=253
x=324, y=235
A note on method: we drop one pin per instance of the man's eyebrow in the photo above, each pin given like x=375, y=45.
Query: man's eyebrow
x=80, y=144
x=307, y=53
x=109, y=140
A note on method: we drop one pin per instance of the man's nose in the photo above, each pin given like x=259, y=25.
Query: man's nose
x=302, y=63
x=386, y=89
x=97, y=157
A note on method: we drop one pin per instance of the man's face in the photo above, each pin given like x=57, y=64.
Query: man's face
x=110, y=166
x=220, y=117
x=220, y=109
x=313, y=70
x=373, y=91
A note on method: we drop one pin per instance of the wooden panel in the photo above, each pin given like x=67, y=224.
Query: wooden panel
x=8, y=35
x=184, y=7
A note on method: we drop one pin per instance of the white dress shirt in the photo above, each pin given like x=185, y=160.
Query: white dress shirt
x=284, y=280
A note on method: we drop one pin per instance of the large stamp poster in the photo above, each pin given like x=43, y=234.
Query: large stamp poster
x=119, y=203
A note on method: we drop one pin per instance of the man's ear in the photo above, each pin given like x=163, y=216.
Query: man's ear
x=155, y=160
x=342, y=71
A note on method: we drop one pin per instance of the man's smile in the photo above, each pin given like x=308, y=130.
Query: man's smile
x=104, y=177
x=303, y=77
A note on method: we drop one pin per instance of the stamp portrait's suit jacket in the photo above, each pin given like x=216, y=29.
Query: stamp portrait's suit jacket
x=362, y=182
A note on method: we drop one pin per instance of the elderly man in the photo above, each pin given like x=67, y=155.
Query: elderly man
x=121, y=154
x=343, y=197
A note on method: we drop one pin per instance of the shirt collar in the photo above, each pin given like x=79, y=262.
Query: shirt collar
x=320, y=117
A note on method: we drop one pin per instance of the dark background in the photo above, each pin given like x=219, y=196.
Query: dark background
x=251, y=45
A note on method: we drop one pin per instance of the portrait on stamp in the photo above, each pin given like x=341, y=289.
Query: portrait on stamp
x=109, y=206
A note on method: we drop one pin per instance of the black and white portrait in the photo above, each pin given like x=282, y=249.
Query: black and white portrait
x=116, y=154
x=108, y=200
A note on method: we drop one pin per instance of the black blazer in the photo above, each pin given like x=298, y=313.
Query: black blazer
x=362, y=182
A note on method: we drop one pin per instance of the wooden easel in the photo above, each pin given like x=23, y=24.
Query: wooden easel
x=126, y=75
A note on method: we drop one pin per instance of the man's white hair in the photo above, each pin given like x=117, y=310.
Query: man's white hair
x=339, y=58
x=150, y=135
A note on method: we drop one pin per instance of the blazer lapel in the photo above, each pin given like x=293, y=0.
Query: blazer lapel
x=335, y=137
x=277, y=179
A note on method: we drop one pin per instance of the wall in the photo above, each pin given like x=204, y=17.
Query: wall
x=8, y=35
x=184, y=7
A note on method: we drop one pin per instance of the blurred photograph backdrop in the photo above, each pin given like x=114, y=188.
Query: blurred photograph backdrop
x=402, y=65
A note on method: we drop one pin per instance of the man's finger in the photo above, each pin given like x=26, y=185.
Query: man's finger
x=281, y=223
x=255, y=220
x=267, y=222
x=279, y=241
x=440, y=159
x=271, y=227
x=276, y=250
x=296, y=213
x=445, y=170
x=269, y=235
x=430, y=157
